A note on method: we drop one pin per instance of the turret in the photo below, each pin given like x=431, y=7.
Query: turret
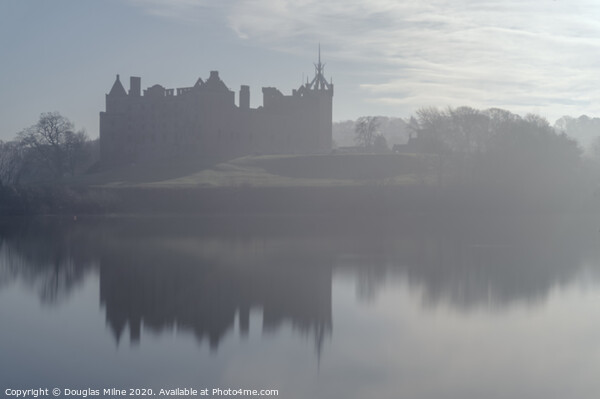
x=319, y=82
x=271, y=97
x=114, y=99
x=244, y=97
x=117, y=89
x=135, y=84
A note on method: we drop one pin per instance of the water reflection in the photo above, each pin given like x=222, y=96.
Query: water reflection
x=47, y=255
x=205, y=275
x=197, y=284
x=489, y=263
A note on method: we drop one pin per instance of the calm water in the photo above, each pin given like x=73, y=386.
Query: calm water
x=425, y=307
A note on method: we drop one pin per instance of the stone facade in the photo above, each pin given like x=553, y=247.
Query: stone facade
x=203, y=120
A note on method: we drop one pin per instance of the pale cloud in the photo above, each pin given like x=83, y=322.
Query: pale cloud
x=538, y=54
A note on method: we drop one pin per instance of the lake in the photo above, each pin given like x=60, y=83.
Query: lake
x=463, y=306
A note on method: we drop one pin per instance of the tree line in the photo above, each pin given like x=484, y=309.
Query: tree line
x=463, y=147
x=48, y=152
x=37, y=165
x=496, y=150
x=585, y=130
x=497, y=144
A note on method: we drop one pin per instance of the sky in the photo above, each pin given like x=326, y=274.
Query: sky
x=385, y=57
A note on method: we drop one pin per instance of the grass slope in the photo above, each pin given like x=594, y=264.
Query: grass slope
x=273, y=171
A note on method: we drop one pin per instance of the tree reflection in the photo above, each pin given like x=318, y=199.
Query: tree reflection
x=201, y=275
x=48, y=255
x=488, y=261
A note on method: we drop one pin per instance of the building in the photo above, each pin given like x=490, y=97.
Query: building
x=204, y=121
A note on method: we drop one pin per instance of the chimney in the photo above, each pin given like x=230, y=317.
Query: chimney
x=244, y=97
x=135, y=86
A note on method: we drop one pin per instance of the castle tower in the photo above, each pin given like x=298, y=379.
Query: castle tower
x=135, y=84
x=245, y=97
x=111, y=121
x=115, y=96
x=319, y=82
x=322, y=92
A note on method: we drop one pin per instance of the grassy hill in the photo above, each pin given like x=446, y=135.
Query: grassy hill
x=271, y=171
x=336, y=184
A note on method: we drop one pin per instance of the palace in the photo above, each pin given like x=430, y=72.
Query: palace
x=204, y=121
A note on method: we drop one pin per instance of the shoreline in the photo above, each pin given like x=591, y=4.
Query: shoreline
x=347, y=201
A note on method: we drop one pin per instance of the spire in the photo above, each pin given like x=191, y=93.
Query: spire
x=319, y=53
x=319, y=82
x=117, y=89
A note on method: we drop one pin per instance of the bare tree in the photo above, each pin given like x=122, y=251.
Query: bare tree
x=596, y=149
x=380, y=144
x=75, y=150
x=55, y=145
x=11, y=163
x=366, y=131
x=431, y=126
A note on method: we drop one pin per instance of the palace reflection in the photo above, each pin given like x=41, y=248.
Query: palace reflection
x=204, y=275
x=197, y=285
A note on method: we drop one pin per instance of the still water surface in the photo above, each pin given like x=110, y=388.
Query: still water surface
x=425, y=307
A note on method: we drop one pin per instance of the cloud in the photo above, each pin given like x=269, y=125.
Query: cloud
x=537, y=54
x=541, y=54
